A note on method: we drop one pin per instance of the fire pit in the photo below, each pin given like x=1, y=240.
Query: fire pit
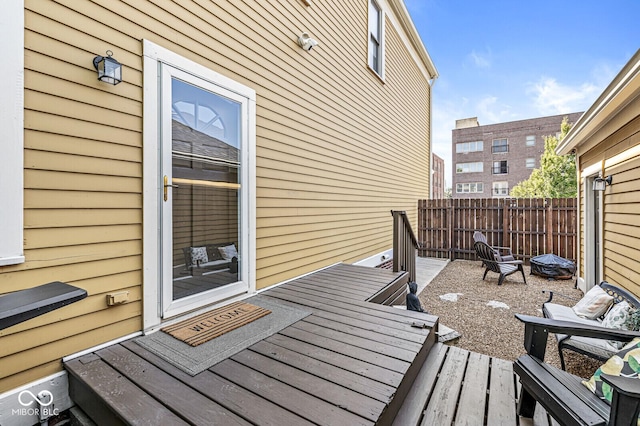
x=552, y=267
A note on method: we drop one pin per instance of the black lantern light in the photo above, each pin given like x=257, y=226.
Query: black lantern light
x=600, y=183
x=109, y=70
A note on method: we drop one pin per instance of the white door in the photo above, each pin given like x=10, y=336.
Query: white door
x=203, y=133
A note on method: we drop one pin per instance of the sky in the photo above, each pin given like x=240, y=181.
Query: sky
x=507, y=60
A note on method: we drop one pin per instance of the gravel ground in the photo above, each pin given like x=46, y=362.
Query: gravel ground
x=495, y=331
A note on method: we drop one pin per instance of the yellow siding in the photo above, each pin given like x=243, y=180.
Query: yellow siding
x=622, y=225
x=621, y=221
x=337, y=149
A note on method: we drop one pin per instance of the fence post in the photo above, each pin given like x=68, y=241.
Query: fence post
x=506, y=220
x=450, y=216
x=549, y=225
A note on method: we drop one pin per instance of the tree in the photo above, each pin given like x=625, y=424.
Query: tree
x=556, y=177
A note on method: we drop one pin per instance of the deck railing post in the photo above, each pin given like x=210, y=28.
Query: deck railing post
x=405, y=245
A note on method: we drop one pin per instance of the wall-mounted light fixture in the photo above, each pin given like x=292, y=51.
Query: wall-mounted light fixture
x=306, y=42
x=109, y=70
x=600, y=183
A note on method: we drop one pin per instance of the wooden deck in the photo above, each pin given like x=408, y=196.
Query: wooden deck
x=351, y=362
x=459, y=387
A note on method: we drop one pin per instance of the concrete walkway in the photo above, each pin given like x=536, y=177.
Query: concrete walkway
x=427, y=268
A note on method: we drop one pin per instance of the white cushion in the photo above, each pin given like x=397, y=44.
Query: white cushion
x=198, y=254
x=566, y=313
x=600, y=347
x=228, y=252
x=594, y=304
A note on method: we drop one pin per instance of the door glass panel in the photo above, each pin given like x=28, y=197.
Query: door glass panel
x=205, y=152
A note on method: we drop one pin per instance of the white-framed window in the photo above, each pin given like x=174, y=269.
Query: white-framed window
x=500, y=189
x=464, y=147
x=469, y=167
x=531, y=140
x=376, y=38
x=500, y=168
x=500, y=145
x=12, y=134
x=530, y=163
x=469, y=188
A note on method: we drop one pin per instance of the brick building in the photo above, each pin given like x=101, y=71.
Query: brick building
x=489, y=160
x=437, y=177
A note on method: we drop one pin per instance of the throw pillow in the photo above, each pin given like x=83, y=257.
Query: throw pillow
x=594, y=303
x=198, y=255
x=625, y=363
x=228, y=252
x=617, y=318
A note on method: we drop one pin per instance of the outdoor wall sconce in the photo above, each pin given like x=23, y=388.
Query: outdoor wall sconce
x=109, y=70
x=306, y=42
x=600, y=183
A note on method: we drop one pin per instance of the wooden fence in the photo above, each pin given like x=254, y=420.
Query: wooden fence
x=530, y=226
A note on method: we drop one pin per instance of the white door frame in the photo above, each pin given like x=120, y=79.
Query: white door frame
x=154, y=301
x=593, y=225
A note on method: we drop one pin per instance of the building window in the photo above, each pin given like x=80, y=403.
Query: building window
x=500, y=189
x=531, y=140
x=12, y=134
x=464, y=147
x=530, y=163
x=469, y=188
x=376, y=38
x=500, y=168
x=469, y=167
x=499, y=145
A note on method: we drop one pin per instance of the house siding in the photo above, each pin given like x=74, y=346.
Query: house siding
x=337, y=148
x=621, y=222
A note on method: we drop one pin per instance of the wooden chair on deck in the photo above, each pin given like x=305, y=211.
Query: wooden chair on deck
x=494, y=262
x=562, y=394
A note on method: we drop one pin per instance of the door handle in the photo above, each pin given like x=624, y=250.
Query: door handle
x=166, y=185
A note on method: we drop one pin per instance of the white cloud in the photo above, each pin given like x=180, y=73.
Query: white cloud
x=490, y=111
x=551, y=97
x=480, y=60
x=444, y=117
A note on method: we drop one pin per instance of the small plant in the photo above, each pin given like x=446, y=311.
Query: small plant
x=633, y=321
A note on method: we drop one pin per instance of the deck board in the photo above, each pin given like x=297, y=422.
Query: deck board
x=502, y=399
x=387, y=322
x=195, y=407
x=347, y=379
x=367, y=342
x=234, y=398
x=366, y=355
x=130, y=403
x=357, y=366
x=321, y=387
x=473, y=397
x=330, y=324
x=288, y=397
x=444, y=397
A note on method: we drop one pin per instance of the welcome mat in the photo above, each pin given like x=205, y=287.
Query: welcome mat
x=195, y=359
x=201, y=329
